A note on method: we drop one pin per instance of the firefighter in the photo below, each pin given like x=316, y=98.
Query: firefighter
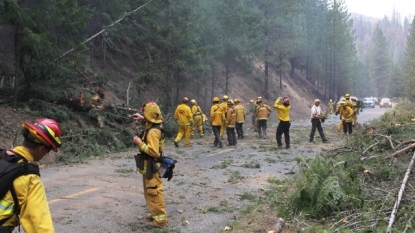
x=346, y=116
x=348, y=103
x=224, y=106
x=282, y=105
x=262, y=113
x=355, y=109
x=184, y=119
x=316, y=122
x=40, y=137
x=151, y=145
x=331, y=106
x=217, y=115
x=252, y=110
x=230, y=123
x=240, y=118
x=197, y=118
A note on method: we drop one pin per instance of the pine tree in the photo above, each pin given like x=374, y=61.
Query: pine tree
x=409, y=63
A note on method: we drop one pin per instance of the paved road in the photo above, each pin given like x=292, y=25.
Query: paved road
x=105, y=195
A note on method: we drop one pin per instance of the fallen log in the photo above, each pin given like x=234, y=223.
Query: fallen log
x=400, y=194
x=401, y=151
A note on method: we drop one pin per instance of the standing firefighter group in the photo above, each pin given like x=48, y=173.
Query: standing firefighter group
x=23, y=199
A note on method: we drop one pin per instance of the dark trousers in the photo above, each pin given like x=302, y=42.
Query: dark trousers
x=240, y=130
x=347, y=127
x=262, y=127
x=216, y=132
x=230, y=132
x=283, y=128
x=316, y=123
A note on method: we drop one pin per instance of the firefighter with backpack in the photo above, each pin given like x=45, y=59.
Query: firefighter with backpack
x=25, y=200
x=151, y=145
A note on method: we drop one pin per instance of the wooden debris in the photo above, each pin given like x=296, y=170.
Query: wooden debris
x=401, y=151
x=400, y=194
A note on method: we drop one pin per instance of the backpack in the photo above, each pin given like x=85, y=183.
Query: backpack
x=10, y=169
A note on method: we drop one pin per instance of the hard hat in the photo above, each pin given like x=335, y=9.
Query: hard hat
x=236, y=101
x=343, y=103
x=346, y=96
x=152, y=113
x=193, y=101
x=353, y=98
x=216, y=99
x=185, y=100
x=286, y=100
x=45, y=131
x=317, y=100
x=251, y=101
x=225, y=97
x=259, y=98
x=330, y=100
x=230, y=102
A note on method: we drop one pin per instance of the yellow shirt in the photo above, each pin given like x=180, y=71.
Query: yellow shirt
x=217, y=115
x=283, y=111
x=263, y=111
x=240, y=113
x=183, y=114
x=34, y=209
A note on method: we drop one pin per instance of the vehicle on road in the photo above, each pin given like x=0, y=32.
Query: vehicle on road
x=385, y=103
x=369, y=102
x=376, y=100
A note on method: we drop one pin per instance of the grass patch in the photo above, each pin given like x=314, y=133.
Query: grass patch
x=235, y=177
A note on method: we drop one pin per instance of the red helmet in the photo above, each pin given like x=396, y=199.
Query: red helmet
x=286, y=100
x=185, y=100
x=45, y=131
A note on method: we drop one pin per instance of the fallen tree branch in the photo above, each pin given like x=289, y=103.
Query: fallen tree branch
x=395, y=208
x=370, y=147
x=387, y=137
x=412, y=146
x=404, y=143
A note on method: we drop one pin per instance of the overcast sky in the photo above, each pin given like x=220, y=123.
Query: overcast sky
x=380, y=8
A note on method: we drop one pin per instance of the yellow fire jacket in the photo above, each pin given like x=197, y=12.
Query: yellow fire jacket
x=34, y=209
x=217, y=115
x=183, y=114
x=346, y=113
x=230, y=118
x=196, y=111
x=240, y=113
x=283, y=111
x=263, y=111
x=154, y=145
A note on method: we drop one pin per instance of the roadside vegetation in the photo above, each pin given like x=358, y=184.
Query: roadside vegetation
x=353, y=188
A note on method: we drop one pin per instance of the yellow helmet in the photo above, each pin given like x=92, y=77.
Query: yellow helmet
x=152, y=113
x=343, y=103
x=230, y=102
x=236, y=101
x=216, y=99
x=346, y=96
x=225, y=97
x=193, y=101
x=251, y=101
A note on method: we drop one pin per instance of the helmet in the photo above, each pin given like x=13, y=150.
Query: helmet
x=230, y=102
x=330, y=100
x=251, y=101
x=216, y=99
x=343, y=103
x=225, y=97
x=317, y=100
x=185, y=100
x=353, y=98
x=152, y=113
x=193, y=101
x=259, y=98
x=346, y=96
x=45, y=131
x=236, y=101
x=286, y=100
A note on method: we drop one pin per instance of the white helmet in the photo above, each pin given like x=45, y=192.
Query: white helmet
x=330, y=100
